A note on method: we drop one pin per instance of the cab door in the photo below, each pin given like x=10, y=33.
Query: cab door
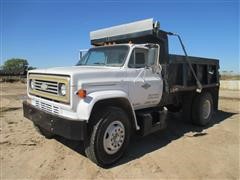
x=145, y=82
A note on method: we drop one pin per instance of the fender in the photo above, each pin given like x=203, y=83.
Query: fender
x=86, y=105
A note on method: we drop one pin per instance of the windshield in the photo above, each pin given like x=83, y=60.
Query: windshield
x=105, y=56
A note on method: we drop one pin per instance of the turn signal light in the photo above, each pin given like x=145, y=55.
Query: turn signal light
x=82, y=93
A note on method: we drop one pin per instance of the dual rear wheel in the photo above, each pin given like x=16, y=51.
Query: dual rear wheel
x=202, y=109
x=198, y=108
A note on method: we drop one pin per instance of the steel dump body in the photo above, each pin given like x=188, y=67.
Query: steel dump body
x=180, y=77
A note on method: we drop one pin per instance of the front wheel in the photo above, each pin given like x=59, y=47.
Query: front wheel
x=109, y=137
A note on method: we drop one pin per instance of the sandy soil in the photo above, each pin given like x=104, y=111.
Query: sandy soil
x=181, y=151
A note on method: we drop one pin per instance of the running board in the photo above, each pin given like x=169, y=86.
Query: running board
x=151, y=121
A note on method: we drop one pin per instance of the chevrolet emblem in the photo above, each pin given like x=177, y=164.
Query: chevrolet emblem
x=44, y=86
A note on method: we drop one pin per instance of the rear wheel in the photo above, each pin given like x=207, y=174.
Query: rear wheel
x=202, y=109
x=109, y=137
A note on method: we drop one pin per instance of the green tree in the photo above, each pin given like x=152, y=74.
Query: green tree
x=15, y=66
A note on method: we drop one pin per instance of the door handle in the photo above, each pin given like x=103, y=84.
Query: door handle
x=146, y=85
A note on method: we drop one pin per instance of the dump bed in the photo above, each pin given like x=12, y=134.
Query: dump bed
x=180, y=77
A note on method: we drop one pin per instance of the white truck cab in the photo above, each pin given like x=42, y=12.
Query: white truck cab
x=127, y=71
x=117, y=88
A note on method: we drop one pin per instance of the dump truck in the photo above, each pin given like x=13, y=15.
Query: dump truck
x=124, y=85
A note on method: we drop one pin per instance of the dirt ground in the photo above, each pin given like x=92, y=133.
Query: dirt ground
x=181, y=151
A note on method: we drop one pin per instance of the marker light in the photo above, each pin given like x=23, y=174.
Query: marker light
x=82, y=93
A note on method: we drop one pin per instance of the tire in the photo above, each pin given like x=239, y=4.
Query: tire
x=202, y=111
x=105, y=147
x=43, y=132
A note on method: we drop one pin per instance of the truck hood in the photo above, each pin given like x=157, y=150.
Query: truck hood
x=86, y=74
x=74, y=70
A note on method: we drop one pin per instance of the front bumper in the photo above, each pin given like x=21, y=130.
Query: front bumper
x=65, y=127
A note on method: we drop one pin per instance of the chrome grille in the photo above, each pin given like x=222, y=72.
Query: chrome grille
x=46, y=86
x=47, y=107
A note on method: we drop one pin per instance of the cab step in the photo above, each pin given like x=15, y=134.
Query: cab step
x=151, y=121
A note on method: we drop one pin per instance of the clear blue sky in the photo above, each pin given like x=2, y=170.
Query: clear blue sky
x=49, y=32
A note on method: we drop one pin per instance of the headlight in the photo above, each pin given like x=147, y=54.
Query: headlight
x=62, y=89
x=31, y=84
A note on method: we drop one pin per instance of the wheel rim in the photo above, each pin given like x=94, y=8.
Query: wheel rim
x=206, y=109
x=114, y=137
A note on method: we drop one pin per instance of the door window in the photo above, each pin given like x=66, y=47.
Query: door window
x=142, y=57
x=139, y=58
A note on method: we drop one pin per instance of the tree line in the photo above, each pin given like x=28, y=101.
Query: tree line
x=15, y=67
